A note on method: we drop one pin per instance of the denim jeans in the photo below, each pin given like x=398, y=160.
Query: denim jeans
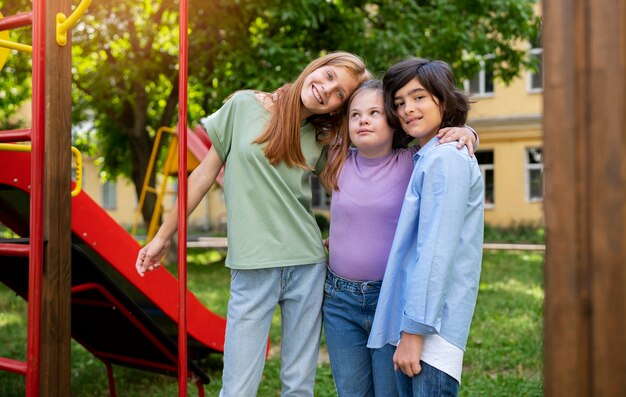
x=431, y=382
x=254, y=295
x=348, y=311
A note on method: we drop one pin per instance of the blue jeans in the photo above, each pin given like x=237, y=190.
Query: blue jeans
x=348, y=311
x=431, y=382
x=254, y=295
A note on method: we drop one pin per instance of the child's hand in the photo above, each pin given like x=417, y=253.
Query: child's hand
x=408, y=353
x=464, y=135
x=149, y=257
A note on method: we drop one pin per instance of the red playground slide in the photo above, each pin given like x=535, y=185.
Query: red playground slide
x=117, y=315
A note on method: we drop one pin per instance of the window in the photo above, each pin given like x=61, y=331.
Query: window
x=534, y=174
x=482, y=83
x=535, y=76
x=320, y=198
x=485, y=161
x=109, y=195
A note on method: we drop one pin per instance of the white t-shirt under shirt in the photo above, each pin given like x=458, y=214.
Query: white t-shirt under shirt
x=443, y=355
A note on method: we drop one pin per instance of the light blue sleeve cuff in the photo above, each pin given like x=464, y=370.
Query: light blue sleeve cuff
x=414, y=327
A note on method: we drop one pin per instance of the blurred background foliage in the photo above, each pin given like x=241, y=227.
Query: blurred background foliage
x=125, y=63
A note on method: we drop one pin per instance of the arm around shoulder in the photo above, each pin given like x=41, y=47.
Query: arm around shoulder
x=465, y=136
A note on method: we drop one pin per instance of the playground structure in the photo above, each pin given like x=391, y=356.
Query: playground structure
x=80, y=261
x=198, y=145
x=120, y=317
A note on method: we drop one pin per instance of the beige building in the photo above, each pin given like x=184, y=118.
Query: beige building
x=509, y=122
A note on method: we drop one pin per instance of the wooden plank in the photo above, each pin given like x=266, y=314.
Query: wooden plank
x=514, y=247
x=222, y=242
x=607, y=82
x=209, y=242
x=565, y=323
x=585, y=206
x=56, y=309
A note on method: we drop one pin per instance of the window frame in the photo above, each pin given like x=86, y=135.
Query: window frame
x=320, y=199
x=484, y=168
x=535, y=52
x=528, y=168
x=482, y=83
x=109, y=192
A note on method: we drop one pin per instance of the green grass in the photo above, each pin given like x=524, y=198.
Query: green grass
x=504, y=352
x=520, y=233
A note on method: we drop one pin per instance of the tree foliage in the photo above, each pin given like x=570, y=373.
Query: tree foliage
x=15, y=81
x=125, y=54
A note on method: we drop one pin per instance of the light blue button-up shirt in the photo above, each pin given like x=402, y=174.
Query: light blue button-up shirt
x=431, y=280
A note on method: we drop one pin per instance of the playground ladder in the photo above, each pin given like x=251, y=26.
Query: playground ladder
x=166, y=170
x=34, y=249
x=198, y=146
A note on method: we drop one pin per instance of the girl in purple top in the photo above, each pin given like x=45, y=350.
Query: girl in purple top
x=367, y=197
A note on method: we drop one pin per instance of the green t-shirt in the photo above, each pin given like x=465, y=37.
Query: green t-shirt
x=270, y=223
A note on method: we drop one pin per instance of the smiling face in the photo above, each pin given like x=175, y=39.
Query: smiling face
x=418, y=111
x=367, y=124
x=326, y=89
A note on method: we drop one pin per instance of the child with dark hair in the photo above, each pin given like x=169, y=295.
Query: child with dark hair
x=430, y=285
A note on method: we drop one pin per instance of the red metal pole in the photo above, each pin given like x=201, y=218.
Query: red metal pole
x=16, y=21
x=33, y=353
x=14, y=249
x=15, y=135
x=182, y=200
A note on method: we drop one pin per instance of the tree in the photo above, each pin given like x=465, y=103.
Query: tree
x=125, y=55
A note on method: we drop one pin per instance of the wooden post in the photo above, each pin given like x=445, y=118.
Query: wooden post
x=56, y=281
x=585, y=197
